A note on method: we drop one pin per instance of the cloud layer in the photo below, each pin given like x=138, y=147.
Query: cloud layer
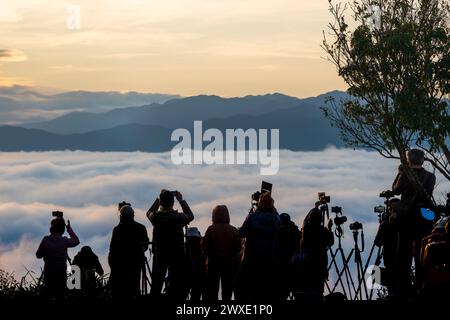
x=87, y=187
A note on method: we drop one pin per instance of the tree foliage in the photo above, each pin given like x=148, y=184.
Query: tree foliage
x=394, y=55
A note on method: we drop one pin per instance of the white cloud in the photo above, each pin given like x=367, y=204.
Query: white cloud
x=87, y=187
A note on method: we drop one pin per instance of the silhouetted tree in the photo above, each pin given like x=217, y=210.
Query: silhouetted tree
x=394, y=56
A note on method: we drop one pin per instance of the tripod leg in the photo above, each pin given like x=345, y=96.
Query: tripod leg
x=333, y=261
x=345, y=261
x=377, y=262
x=348, y=274
x=369, y=258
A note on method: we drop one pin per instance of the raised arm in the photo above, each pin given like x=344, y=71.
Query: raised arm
x=153, y=208
x=73, y=240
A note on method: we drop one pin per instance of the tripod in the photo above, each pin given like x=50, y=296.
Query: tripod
x=382, y=216
x=378, y=258
x=146, y=279
x=345, y=269
x=359, y=266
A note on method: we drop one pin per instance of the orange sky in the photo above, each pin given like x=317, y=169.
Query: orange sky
x=224, y=47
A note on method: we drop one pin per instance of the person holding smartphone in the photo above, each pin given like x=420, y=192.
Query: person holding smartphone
x=53, y=249
x=168, y=244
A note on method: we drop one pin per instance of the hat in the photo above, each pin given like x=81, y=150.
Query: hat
x=193, y=232
x=285, y=218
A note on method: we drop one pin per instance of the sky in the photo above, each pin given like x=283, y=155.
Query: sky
x=187, y=47
x=34, y=184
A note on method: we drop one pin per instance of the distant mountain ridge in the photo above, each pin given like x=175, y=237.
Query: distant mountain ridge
x=172, y=114
x=148, y=128
x=20, y=104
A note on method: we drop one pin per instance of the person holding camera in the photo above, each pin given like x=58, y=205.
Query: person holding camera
x=256, y=278
x=129, y=242
x=168, y=244
x=53, y=249
x=386, y=238
x=287, y=243
x=406, y=218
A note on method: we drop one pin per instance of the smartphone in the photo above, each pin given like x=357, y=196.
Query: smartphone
x=266, y=187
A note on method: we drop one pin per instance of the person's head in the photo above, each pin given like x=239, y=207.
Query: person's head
x=416, y=157
x=86, y=250
x=126, y=214
x=266, y=202
x=57, y=226
x=193, y=232
x=193, y=237
x=285, y=218
x=313, y=218
x=122, y=204
x=220, y=214
x=166, y=199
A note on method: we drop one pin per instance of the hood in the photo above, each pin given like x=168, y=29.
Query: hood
x=220, y=214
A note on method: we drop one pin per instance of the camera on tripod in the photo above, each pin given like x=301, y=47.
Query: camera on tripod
x=387, y=194
x=57, y=214
x=355, y=226
x=323, y=198
x=379, y=209
x=336, y=209
x=340, y=220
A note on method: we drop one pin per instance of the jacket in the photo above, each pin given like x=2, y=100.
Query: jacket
x=168, y=226
x=260, y=229
x=222, y=242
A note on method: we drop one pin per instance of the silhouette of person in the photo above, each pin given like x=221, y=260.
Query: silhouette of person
x=256, y=279
x=222, y=246
x=197, y=261
x=386, y=238
x=312, y=267
x=53, y=249
x=411, y=226
x=168, y=244
x=89, y=265
x=435, y=258
x=129, y=242
x=287, y=243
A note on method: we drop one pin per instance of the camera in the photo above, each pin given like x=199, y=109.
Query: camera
x=57, y=214
x=255, y=196
x=323, y=198
x=265, y=187
x=336, y=209
x=355, y=226
x=387, y=194
x=379, y=209
x=340, y=220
